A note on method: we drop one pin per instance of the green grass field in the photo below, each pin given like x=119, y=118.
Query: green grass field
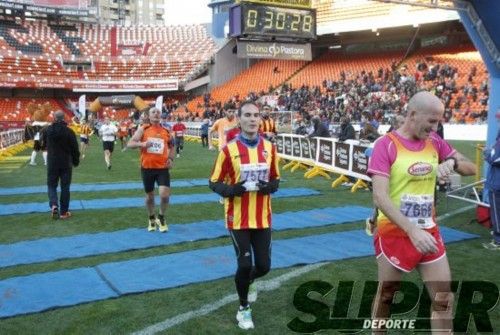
x=274, y=309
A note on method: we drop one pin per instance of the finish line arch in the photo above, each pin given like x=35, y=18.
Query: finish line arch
x=120, y=101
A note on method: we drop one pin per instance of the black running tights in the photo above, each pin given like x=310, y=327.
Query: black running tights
x=245, y=242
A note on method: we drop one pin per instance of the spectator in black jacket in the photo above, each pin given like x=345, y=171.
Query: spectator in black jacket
x=63, y=154
x=320, y=130
x=346, y=129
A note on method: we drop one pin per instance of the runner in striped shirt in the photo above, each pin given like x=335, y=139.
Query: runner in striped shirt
x=246, y=173
x=267, y=125
x=85, y=133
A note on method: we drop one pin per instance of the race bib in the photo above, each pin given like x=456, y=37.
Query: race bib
x=157, y=147
x=179, y=133
x=252, y=173
x=418, y=209
x=37, y=137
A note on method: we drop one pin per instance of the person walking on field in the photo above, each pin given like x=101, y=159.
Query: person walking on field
x=245, y=174
x=404, y=166
x=222, y=127
x=62, y=155
x=179, y=130
x=157, y=158
x=108, y=134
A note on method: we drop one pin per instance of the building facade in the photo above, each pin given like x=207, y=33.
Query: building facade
x=130, y=12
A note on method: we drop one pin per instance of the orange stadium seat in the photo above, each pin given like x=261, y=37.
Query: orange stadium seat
x=330, y=65
x=174, y=51
x=251, y=80
x=15, y=109
x=464, y=58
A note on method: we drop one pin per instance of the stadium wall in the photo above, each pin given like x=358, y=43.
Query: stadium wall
x=227, y=65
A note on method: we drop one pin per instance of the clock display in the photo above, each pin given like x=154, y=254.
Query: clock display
x=273, y=21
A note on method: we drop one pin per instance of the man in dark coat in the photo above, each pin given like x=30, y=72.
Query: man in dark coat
x=320, y=130
x=347, y=131
x=63, y=154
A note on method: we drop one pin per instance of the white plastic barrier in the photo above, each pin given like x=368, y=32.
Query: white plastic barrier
x=345, y=158
x=11, y=137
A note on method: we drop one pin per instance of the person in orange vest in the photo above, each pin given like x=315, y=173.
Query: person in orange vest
x=222, y=127
x=123, y=133
x=157, y=158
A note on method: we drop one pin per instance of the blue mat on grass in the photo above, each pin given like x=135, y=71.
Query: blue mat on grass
x=100, y=187
x=43, y=207
x=39, y=292
x=56, y=248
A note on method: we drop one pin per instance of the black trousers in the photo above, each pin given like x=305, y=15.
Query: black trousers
x=179, y=144
x=204, y=140
x=248, y=242
x=54, y=175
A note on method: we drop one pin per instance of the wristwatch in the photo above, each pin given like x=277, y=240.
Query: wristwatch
x=455, y=162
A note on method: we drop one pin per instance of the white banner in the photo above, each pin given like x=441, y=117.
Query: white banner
x=82, y=107
x=159, y=102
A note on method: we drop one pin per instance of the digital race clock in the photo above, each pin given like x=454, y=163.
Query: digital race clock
x=248, y=19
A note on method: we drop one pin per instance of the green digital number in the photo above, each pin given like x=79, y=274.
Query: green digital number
x=280, y=21
x=269, y=20
x=295, y=22
x=252, y=18
x=307, y=25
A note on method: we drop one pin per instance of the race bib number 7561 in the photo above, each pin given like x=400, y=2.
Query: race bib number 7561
x=252, y=173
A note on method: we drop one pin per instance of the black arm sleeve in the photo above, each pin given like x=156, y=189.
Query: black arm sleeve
x=268, y=187
x=221, y=189
x=273, y=185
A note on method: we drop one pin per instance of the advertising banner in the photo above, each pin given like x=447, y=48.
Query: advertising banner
x=284, y=3
x=57, y=7
x=277, y=50
x=347, y=158
x=325, y=152
x=125, y=86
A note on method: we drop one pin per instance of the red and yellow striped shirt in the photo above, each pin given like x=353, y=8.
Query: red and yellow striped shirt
x=252, y=210
x=267, y=126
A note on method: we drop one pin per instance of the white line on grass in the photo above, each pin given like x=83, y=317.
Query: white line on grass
x=265, y=285
x=455, y=212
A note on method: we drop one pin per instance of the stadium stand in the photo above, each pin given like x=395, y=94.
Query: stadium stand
x=15, y=109
x=257, y=78
x=466, y=102
x=331, y=64
x=37, y=54
x=171, y=51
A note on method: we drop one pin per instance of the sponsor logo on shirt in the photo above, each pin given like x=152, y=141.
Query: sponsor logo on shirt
x=420, y=169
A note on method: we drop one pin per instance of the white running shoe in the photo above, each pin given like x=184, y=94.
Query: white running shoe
x=152, y=224
x=369, y=227
x=244, y=318
x=252, y=293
